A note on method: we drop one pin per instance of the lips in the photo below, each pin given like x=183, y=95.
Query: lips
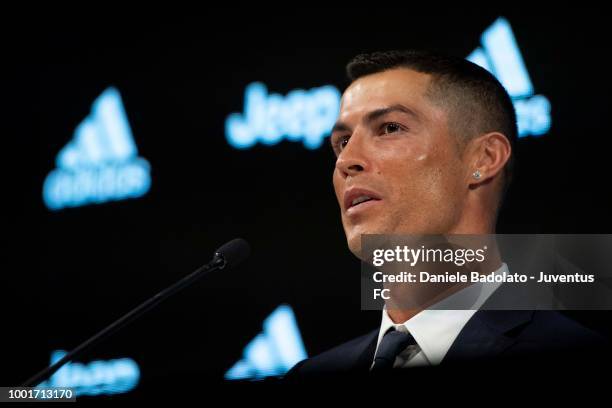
x=356, y=197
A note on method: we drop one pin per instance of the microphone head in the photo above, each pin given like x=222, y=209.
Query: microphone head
x=234, y=252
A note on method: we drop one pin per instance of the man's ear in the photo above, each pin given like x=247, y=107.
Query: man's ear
x=488, y=154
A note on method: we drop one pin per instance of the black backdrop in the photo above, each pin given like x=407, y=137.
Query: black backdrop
x=179, y=78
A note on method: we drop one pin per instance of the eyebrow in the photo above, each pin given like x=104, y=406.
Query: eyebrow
x=376, y=114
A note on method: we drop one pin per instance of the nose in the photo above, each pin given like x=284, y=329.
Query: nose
x=352, y=160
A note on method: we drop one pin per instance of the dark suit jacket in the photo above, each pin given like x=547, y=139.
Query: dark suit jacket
x=489, y=334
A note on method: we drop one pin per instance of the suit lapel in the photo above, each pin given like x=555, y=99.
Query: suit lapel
x=488, y=333
x=362, y=355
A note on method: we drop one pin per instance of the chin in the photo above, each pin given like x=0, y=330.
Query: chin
x=354, y=240
x=354, y=233
x=354, y=246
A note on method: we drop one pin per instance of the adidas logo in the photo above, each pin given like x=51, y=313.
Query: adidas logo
x=272, y=352
x=101, y=162
x=500, y=55
x=95, y=378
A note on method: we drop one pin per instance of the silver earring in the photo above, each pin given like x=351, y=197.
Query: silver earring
x=476, y=174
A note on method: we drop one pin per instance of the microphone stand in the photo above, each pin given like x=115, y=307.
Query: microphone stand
x=218, y=262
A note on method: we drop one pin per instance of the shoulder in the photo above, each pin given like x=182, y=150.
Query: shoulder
x=566, y=332
x=345, y=357
x=539, y=330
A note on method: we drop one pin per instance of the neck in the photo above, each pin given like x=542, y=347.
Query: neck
x=401, y=316
x=491, y=263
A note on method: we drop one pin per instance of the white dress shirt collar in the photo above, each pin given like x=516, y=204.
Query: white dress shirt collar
x=436, y=329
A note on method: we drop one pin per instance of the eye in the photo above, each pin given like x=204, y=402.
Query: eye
x=391, y=127
x=340, y=143
x=343, y=141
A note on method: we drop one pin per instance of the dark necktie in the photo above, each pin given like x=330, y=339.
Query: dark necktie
x=392, y=344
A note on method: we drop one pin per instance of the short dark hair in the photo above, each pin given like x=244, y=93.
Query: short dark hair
x=475, y=100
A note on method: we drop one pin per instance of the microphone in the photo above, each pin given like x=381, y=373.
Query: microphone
x=228, y=255
x=233, y=252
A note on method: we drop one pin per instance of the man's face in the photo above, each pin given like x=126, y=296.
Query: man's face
x=394, y=146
